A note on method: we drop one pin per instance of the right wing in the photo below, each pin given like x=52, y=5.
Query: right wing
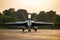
x=41, y=23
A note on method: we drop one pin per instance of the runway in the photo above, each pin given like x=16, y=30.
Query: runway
x=7, y=34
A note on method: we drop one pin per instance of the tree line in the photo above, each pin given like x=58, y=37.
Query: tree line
x=10, y=15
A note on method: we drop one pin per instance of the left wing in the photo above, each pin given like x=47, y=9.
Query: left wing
x=16, y=23
x=41, y=23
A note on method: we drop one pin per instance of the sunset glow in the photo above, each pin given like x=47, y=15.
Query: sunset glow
x=31, y=5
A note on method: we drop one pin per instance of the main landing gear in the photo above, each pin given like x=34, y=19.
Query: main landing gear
x=29, y=29
x=35, y=29
x=23, y=30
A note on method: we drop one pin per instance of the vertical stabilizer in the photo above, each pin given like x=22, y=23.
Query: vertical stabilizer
x=29, y=16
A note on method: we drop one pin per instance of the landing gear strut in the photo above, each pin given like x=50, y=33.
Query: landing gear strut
x=23, y=30
x=35, y=30
x=29, y=30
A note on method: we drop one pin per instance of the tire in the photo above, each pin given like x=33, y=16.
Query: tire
x=29, y=30
x=23, y=30
x=35, y=30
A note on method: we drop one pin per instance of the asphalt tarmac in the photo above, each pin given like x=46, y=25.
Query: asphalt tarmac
x=7, y=34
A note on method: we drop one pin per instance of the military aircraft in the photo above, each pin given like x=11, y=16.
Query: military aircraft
x=29, y=24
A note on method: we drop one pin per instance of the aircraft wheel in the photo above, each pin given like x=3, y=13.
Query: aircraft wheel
x=29, y=30
x=35, y=30
x=23, y=30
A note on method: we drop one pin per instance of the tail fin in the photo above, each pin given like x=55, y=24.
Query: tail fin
x=29, y=16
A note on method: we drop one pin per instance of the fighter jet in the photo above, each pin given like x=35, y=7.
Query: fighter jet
x=29, y=24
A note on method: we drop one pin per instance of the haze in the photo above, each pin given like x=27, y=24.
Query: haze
x=31, y=5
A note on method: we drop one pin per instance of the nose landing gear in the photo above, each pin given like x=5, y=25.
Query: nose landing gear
x=29, y=30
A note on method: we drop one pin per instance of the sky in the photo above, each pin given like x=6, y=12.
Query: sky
x=31, y=5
